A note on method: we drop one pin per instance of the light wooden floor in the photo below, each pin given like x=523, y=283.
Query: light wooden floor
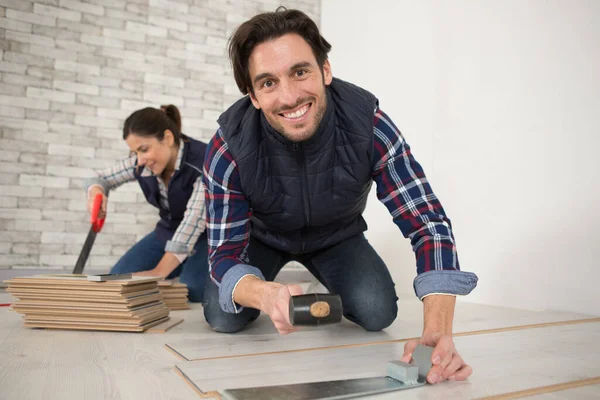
x=48, y=364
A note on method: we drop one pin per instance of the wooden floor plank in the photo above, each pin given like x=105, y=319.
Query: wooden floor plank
x=261, y=337
x=26, y=357
x=6, y=297
x=143, y=368
x=503, y=362
x=70, y=365
x=9, y=319
x=589, y=392
x=165, y=326
x=131, y=366
x=559, y=387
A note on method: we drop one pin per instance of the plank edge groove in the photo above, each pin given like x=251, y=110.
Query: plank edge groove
x=467, y=333
x=543, y=389
x=176, y=353
x=192, y=385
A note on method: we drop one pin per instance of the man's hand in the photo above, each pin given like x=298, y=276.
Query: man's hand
x=269, y=297
x=277, y=306
x=438, y=313
x=447, y=363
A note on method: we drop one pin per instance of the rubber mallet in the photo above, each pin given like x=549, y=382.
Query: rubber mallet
x=315, y=309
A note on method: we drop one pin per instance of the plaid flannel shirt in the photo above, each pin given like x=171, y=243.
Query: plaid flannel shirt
x=401, y=186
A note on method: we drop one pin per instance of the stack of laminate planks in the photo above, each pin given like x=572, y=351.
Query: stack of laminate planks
x=174, y=294
x=73, y=302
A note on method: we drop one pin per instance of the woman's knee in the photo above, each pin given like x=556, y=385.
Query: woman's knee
x=142, y=256
x=196, y=293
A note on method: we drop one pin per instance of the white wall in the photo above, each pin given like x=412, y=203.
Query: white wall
x=379, y=53
x=500, y=102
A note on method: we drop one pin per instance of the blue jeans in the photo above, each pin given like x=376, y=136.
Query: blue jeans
x=352, y=269
x=146, y=254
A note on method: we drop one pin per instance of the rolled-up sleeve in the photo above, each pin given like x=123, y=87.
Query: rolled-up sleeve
x=405, y=191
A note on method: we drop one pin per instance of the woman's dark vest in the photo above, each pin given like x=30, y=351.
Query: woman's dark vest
x=180, y=187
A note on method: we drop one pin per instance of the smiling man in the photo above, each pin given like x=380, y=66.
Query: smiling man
x=287, y=177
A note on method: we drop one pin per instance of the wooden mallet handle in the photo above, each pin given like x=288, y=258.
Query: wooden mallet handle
x=315, y=309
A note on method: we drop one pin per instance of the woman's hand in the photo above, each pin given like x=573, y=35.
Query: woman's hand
x=93, y=192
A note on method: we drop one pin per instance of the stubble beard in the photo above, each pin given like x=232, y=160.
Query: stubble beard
x=312, y=127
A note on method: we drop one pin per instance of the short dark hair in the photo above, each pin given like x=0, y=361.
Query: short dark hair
x=152, y=122
x=267, y=26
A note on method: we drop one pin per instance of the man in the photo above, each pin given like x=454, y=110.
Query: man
x=287, y=177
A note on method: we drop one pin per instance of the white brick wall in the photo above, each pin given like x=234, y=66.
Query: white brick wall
x=71, y=71
x=37, y=19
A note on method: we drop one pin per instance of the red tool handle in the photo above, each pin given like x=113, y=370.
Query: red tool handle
x=97, y=224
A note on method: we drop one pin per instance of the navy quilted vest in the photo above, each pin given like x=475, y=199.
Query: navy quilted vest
x=179, y=190
x=310, y=195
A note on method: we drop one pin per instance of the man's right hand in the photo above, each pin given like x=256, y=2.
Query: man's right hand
x=269, y=297
x=277, y=305
x=95, y=190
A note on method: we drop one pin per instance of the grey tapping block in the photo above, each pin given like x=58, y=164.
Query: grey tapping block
x=421, y=357
x=403, y=372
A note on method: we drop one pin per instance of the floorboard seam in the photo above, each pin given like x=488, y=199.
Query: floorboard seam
x=468, y=333
x=543, y=389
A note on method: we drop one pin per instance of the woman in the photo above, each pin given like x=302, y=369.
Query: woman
x=168, y=167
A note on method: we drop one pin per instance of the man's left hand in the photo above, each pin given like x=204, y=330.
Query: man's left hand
x=447, y=363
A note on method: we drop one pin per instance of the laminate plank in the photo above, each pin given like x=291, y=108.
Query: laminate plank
x=503, y=362
x=82, y=305
x=142, y=367
x=86, y=311
x=29, y=365
x=9, y=320
x=6, y=298
x=261, y=337
x=591, y=392
x=78, y=294
x=79, y=280
x=73, y=365
x=543, y=389
x=165, y=326
x=93, y=287
x=132, y=301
